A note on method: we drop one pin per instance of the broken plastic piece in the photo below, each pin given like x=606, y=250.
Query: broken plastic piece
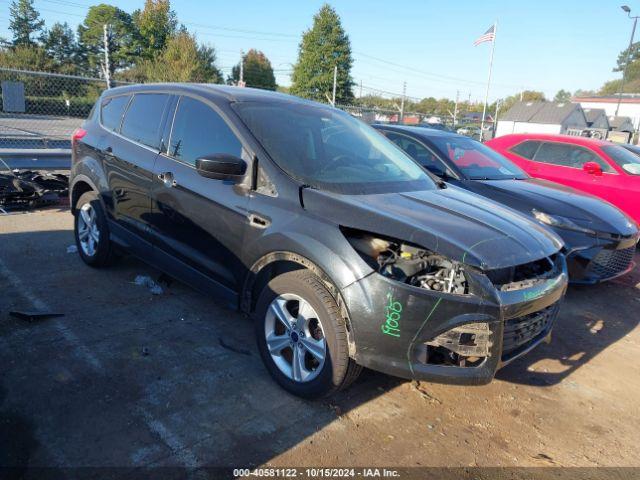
x=470, y=340
x=146, y=281
x=72, y=249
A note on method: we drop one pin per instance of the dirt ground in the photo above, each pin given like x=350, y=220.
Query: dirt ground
x=128, y=378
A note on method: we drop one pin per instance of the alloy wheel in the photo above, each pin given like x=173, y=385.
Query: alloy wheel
x=88, y=232
x=295, y=338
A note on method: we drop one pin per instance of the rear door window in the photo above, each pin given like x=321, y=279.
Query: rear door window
x=144, y=117
x=567, y=155
x=111, y=111
x=198, y=131
x=526, y=149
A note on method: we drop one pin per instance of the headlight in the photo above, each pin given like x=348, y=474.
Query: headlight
x=560, y=222
x=408, y=263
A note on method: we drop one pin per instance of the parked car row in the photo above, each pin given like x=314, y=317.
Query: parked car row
x=600, y=240
x=344, y=250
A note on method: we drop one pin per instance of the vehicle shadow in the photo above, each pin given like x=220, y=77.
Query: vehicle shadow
x=131, y=379
x=592, y=318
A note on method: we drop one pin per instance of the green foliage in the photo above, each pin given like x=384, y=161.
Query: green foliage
x=183, y=60
x=24, y=22
x=562, y=96
x=156, y=23
x=26, y=58
x=527, y=96
x=323, y=47
x=122, y=39
x=60, y=45
x=257, y=73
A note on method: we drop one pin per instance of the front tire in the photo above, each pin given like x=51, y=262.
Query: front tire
x=92, y=231
x=302, y=337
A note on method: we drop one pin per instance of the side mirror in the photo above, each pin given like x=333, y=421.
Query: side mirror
x=592, y=168
x=221, y=166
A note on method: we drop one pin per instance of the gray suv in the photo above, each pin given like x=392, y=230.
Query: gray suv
x=344, y=251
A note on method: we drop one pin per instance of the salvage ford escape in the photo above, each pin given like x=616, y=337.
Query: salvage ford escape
x=344, y=251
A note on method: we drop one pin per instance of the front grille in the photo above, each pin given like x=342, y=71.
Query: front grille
x=522, y=332
x=608, y=263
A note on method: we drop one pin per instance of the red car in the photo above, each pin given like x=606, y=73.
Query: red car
x=601, y=168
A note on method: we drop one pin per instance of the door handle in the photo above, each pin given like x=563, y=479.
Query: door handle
x=258, y=221
x=167, y=179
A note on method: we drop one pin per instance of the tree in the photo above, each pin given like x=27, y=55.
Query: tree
x=60, y=44
x=24, y=57
x=257, y=71
x=527, y=96
x=183, y=60
x=24, y=22
x=323, y=47
x=156, y=23
x=562, y=96
x=122, y=38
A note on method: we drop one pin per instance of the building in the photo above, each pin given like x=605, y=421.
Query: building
x=596, y=118
x=629, y=105
x=542, y=117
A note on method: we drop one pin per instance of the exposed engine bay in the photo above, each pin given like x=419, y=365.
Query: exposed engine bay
x=410, y=264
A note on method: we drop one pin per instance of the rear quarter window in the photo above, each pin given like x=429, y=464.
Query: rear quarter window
x=526, y=149
x=144, y=117
x=568, y=155
x=111, y=111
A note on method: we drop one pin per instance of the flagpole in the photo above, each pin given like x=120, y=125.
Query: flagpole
x=486, y=95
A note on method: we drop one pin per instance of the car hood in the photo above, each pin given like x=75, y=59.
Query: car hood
x=584, y=209
x=451, y=221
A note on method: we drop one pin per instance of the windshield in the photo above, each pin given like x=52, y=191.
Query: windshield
x=629, y=162
x=476, y=161
x=330, y=150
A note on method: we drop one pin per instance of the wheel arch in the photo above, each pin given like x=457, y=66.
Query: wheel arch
x=81, y=185
x=276, y=263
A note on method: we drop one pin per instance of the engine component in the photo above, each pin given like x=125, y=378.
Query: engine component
x=409, y=264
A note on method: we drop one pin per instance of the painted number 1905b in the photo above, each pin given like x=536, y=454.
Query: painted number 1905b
x=392, y=312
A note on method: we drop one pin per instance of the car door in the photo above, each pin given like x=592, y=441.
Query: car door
x=564, y=163
x=129, y=155
x=421, y=153
x=197, y=222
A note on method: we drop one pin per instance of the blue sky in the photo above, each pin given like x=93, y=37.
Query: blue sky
x=543, y=45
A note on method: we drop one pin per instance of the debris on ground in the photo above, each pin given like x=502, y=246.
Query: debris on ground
x=417, y=386
x=24, y=189
x=72, y=249
x=147, y=281
x=33, y=316
x=242, y=351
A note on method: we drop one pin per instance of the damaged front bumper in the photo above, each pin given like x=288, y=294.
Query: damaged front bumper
x=411, y=332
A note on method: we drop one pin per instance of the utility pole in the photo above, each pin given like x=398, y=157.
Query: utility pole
x=626, y=65
x=404, y=93
x=495, y=118
x=241, y=82
x=106, y=67
x=360, y=89
x=455, y=110
x=335, y=84
x=522, y=94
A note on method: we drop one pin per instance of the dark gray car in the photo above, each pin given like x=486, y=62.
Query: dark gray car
x=342, y=248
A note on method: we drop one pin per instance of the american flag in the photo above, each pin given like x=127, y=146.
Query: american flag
x=488, y=36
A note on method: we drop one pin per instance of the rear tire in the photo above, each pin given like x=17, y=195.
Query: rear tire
x=315, y=322
x=92, y=232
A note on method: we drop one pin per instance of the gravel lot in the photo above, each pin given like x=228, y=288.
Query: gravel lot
x=127, y=378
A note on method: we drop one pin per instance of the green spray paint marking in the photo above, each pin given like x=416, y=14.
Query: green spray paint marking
x=392, y=311
x=418, y=333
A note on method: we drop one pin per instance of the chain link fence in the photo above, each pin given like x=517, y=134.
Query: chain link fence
x=40, y=110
